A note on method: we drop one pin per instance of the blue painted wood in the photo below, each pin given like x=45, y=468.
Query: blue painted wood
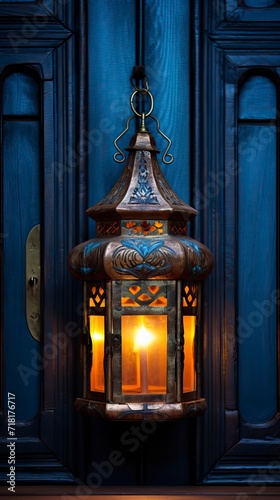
x=256, y=322
x=110, y=63
x=32, y=457
x=257, y=4
x=21, y=95
x=55, y=68
x=257, y=252
x=21, y=212
x=257, y=98
x=111, y=59
x=167, y=62
x=261, y=11
x=231, y=49
x=254, y=15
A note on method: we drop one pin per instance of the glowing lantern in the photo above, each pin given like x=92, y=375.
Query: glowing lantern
x=142, y=275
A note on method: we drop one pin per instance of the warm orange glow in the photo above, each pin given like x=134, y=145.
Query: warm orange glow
x=190, y=299
x=96, y=328
x=142, y=338
x=137, y=299
x=189, y=382
x=99, y=298
x=144, y=354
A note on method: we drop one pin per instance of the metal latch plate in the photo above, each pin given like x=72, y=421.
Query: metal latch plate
x=33, y=282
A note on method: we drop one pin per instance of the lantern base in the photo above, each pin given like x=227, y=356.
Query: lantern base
x=140, y=411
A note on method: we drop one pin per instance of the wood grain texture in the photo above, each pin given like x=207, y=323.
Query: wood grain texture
x=233, y=14
x=258, y=4
x=111, y=58
x=21, y=185
x=257, y=98
x=167, y=61
x=256, y=321
x=21, y=95
x=35, y=465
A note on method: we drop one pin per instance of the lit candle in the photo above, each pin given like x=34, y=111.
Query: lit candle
x=142, y=340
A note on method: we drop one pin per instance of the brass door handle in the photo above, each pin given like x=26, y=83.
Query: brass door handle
x=33, y=282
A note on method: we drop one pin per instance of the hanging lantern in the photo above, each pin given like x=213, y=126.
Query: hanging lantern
x=142, y=293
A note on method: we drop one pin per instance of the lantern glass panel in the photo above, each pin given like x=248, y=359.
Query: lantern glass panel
x=96, y=328
x=189, y=378
x=144, y=354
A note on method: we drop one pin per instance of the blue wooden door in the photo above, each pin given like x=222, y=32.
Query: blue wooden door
x=213, y=69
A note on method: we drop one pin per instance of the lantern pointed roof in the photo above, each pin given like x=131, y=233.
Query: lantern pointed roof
x=142, y=191
x=141, y=227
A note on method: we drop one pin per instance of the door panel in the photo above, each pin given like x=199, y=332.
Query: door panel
x=257, y=230
x=239, y=434
x=21, y=211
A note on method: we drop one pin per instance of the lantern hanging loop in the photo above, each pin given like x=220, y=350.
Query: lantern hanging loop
x=144, y=92
x=119, y=157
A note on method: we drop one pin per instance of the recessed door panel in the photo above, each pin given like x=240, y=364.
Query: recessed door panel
x=21, y=211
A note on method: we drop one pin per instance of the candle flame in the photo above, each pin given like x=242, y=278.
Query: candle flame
x=142, y=338
x=96, y=336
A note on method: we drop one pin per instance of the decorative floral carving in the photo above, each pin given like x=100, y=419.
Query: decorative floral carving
x=143, y=258
x=198, y=260
x=143, y=193
x=86, y=262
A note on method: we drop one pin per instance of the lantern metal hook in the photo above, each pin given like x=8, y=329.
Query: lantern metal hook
x=120, y=152
x=167, y=162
